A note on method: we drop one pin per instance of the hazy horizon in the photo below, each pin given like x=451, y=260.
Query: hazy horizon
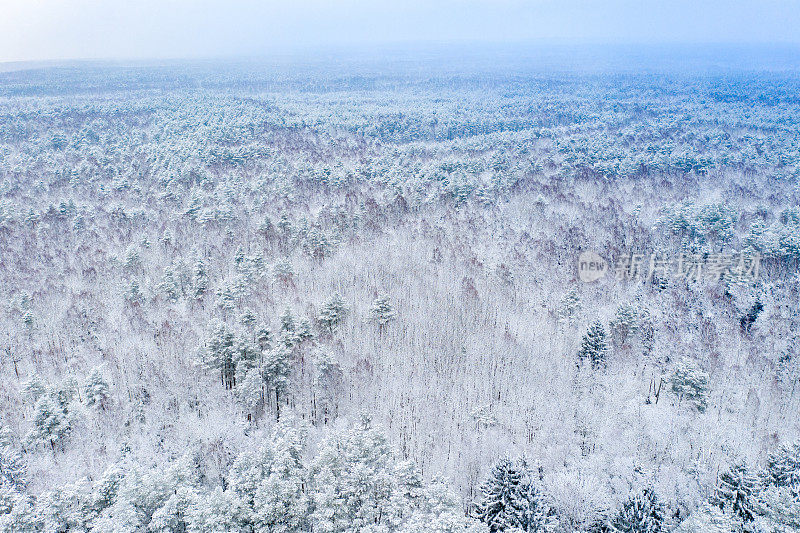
x=47, y=30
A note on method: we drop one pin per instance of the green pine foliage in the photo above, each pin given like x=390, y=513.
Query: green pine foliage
x=736, y=491
x=594, y=348
x=332, y=313
x=511, y=500
x=690, y=383
x=642, y=513
x=383, y=311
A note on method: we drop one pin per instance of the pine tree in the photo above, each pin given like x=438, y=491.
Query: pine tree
x=503, y=494
x=353, y=482
x=333, y=312
x=281, y=501
x=49, y=424
x=735, y=492
x=12, y=464
x=276, y=371
x=624, y=325
x=778, y=509
x=707, y=519
x=317, y=244
x=263, y=337
x=226, y=297
x=104, y=492
x=642, y=513
x=172, y=515
x=134, y=293
x=690, y=382
x=250, y=391
x=593, y=346
x=570, y=306
x=246, y=354
x=266, y=227
x=96, y=388
x=383, y=311
x=132, y=260
x=783, y=466
x=218, y=353
x=199, y=278
x=283, y=272
x=287, y=321
x=34, y=388
x=216, y=512
x=304, y=331
x=327, y=381
x=247, y=318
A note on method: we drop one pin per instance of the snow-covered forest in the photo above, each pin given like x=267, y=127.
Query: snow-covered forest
x=288, y=298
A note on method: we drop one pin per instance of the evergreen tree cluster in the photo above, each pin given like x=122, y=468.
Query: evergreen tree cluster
x=513, y=500
x=353, y=482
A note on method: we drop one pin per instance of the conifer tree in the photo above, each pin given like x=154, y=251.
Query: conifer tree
x=287, y=321
x=219, y=353
x=12, y=464
x=263, y=337
x=250, y=391
x=327, y=381
x=594, y=347
x=49, y=424
x=735, y=492
x=283, y=272
x=276, y=371
x=502, y=505
x=642, y=513
x=199, y=278
x=383, y=311
x=96, y=389
x=624, y=325
x=570, y=306
x=690, y=383
x=783, y=466
x=332, y=313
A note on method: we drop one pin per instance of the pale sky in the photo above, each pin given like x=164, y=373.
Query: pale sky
x=141, y=29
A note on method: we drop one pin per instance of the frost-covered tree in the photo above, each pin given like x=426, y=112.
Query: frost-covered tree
x=624, y=325
x=276, y=370
x=594, y=347
x=280, y=501
x=783, y=466
x=250, y=391
x=382, y=311
x=199, y=278
x=287, y=321
x=50, y=425
x=332, y=312
x=219, y=353
x=778, y=509
x=217, y=512
x=690, y=383
x=328, y=380
x=570, y=306
x=735, y=492
x=34, y=388
x=642, y=513
x=96, y=389
x=12, y=463
x=706, y=519
x=510, y=500
x=353, y=482
x=283, y=272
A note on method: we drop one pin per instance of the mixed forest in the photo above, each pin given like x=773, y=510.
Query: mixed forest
x=296, y=298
